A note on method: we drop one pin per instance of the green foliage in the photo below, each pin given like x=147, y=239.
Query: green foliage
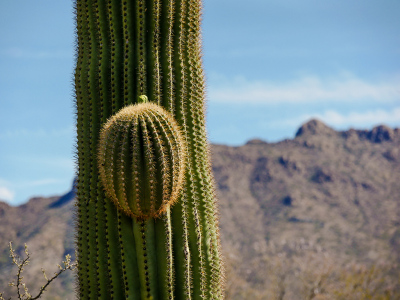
x=143, y=248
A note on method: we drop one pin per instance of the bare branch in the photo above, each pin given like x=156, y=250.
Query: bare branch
x=19, y=284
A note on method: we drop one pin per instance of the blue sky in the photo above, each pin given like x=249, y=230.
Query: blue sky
x=271, y=65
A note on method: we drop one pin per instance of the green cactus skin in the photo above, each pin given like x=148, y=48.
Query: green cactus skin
x=128, y=48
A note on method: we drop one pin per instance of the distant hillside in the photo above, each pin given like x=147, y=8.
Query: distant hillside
x=292, y=214
x=337, y=189
x=328, y=192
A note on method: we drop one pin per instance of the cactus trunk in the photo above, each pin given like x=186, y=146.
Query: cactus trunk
x=126, y=49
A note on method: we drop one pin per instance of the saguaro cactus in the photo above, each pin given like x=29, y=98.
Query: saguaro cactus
x=146, y=211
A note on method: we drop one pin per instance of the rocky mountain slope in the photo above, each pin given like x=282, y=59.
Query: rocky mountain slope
x=328, y=192
x=291, y=214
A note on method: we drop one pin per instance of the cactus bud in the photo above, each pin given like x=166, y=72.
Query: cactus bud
x=142, y=159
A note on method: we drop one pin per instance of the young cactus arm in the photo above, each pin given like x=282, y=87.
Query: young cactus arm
x=142, y=160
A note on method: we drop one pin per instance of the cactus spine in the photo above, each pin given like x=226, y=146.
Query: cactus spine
x=130, y=247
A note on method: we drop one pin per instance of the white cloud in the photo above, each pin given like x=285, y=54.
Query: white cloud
x=6, y=194
x=355, y=119
x=362, y=118
x=25, y=188
x=307, y=89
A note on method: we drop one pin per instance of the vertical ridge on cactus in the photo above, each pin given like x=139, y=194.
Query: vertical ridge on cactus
x=151, y=234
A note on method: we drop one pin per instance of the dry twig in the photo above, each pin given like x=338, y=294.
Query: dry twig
x=22, y=289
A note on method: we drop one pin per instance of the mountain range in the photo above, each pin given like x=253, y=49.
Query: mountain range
x=297, y=218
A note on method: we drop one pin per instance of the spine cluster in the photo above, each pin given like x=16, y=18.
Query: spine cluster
x=128, y=48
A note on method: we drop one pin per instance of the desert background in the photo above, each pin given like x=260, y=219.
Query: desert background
x=313, y=217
